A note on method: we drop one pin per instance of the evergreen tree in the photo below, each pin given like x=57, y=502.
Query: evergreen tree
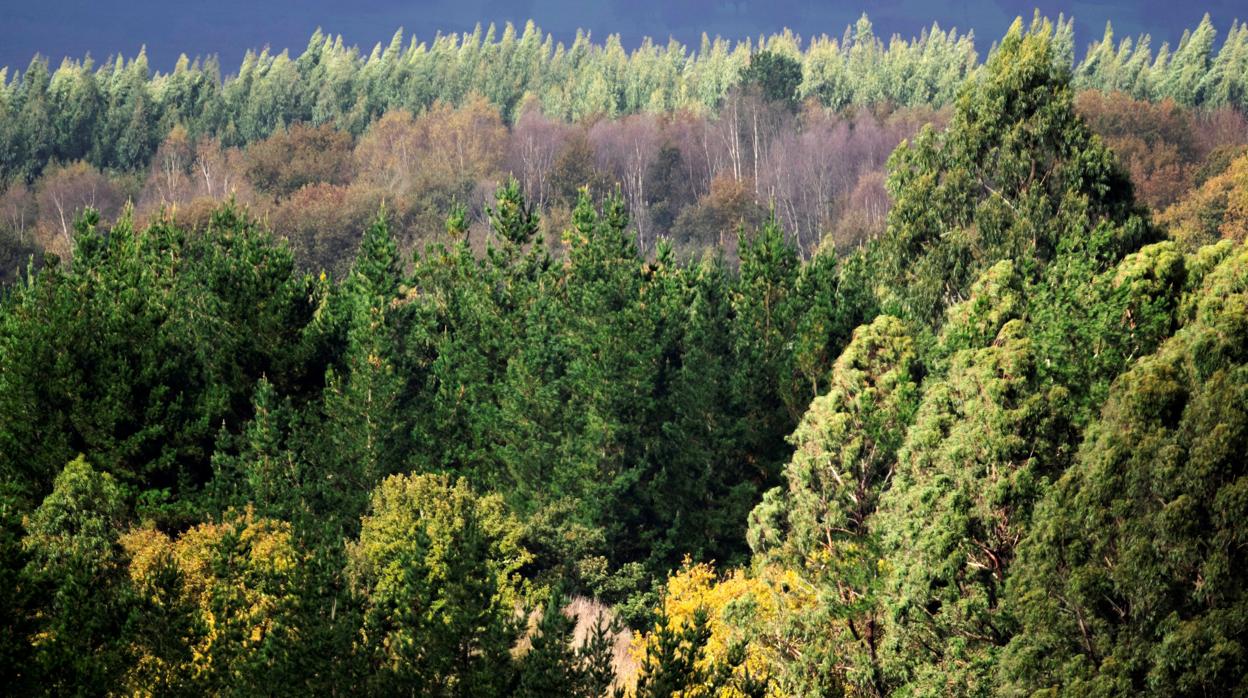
x=987, y=437
x=78, y=570
x=775, y=76
x=1017, y=175
x=432, y=566
x=1126, y=582
x=16, y=609
x=765, y=310
x=820, y=523
x=555, y=666
x=549, y=668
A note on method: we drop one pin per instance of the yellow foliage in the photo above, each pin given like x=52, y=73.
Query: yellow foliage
x=146, y=548
x=441, y=147
x=249, y=598
x=742, y=609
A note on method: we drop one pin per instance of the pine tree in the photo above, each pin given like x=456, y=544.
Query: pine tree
x=433, y=565
x=765, y=311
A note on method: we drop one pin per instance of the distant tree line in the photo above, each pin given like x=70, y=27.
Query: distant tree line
x=113, y=115
x=691, y=178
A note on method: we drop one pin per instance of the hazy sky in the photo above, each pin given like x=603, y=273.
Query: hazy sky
x=56, y=28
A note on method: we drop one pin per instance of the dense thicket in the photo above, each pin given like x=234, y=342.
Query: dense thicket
x=997, y=448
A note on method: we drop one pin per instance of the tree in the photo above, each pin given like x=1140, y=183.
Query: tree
x=555, y=666
x=146, y=347
x=535, y=143
x=1017, y=175
x=433, y=567
x=362, y=434
x=776, y=77
x=766, y=307
x=322, y=223
x=1218, y=208
x=17, y=668
x=170, y=179
x=78, y=569
x=228, y=592
x=717, y=219
x=740, y=616
x=987, y=438
x=573, y=169
x=443, y=148
x=700, y=489
x=1125, y=582
x=64, y=193
x=667, y=186
x=1155, y=143
x=820, y=521
x=298, y=156
x=624, y=150
x=17, y=243
x=549, y=667
x=1189, y=63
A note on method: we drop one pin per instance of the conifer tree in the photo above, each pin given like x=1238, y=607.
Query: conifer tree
x=1017, y=175
x=820, y=522
x=988, y=436
x=1126, y=583
x=765, y=310
x=78, y=568
x=433, y=567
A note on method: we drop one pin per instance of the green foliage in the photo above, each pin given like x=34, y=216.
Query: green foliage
x=1126, y=583
x=775, y=76
x=987, y=437
x=766, y=307
x=1023, y=479
x=1116, y=315
x=820, y=523
x=116, y=113
x=19, y=600
x=141, y=350
x=554, y=666
x=433, y=568
x=78, y=570
x=844, y=446
x=1017, y=175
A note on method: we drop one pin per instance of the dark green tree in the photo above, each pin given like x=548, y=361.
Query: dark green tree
x=1127, y=583
x=1017, y=175
x=775, y=76
x=765, y=314
x=555, y=666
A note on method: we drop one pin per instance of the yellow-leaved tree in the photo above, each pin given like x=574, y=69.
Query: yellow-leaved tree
x=717, y=634
x=219, y=604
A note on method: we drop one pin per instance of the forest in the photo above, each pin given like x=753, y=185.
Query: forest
x=496, y=367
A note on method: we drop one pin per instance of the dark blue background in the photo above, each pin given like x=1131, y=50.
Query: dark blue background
x=56, y=28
